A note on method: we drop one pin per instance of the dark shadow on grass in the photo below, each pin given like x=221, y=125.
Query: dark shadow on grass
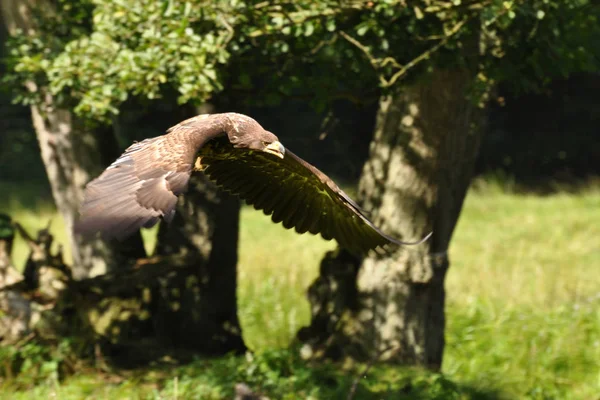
x=538, y=186
x=280, y=373
x=275, y=374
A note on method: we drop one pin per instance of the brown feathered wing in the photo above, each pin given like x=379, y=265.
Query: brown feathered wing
x=138, y=189
x=295, y=193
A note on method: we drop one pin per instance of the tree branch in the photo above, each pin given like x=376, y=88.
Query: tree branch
x=379, y=63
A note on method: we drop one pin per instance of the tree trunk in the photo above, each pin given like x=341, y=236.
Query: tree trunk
x=205, y=233
x=72, y=156
x=421, y=160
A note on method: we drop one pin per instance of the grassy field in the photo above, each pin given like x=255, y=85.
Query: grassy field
x=523, y=307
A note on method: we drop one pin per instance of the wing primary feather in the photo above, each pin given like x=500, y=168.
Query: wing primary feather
x=262, y=198
x=244, y=189
x=126, y=226
x=274, y=201
x=292, y=214
x=267, y=196
x=315, y=219
x=345, y=226
x=373, y=239
x=327, y=225
x=295, y=210
x=256, y=191
x=307, y=216
x=338, y=233
x=281, y=208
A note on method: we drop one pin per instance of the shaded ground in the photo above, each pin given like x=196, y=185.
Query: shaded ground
x=277, y=374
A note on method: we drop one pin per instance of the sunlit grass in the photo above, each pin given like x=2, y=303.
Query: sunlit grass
x=32, y=207
x=524, y=294
x=524, y=250
x=523, y=289
x=275, y=268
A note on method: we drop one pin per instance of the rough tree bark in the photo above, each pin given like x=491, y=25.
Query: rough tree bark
x=72, y=155
x=391, y=308
x=204, y=233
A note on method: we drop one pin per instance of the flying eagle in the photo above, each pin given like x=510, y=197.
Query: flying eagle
x=142, y=185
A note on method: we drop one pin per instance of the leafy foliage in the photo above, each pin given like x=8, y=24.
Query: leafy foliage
x=120, y=48
x=536, y=41
x=35, y=363
x=135, y=47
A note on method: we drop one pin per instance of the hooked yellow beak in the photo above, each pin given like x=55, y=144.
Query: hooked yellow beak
x=275, y=148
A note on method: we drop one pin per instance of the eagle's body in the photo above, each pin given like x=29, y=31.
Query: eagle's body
x=142, y=185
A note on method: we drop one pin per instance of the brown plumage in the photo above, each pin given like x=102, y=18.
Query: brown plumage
x=142, y=185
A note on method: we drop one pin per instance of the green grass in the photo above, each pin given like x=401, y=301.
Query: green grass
x=524, y=294
x=523, y=310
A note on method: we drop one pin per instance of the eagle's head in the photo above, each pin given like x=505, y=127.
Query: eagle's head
x=268, y=143
x=246, y=133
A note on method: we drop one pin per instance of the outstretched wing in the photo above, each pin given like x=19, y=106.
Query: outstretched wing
x=295, y=193
x=142, y=185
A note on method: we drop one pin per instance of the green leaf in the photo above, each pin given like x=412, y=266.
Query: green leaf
x=309, y=28
x=330, y=25
x=362, y=29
